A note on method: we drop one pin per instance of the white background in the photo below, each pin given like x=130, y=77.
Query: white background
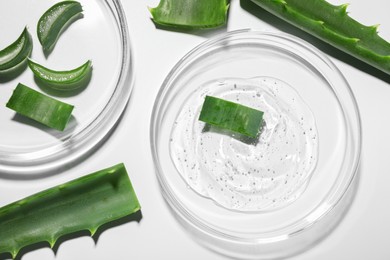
x=363, y=233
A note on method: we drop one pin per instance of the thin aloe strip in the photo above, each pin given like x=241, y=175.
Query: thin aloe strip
x=333, y=25
x=85, y=203
x=54, y=20
x=190, y=14
x=61, y=80
x=231, y=116
x=44, y=109
x=17, y=52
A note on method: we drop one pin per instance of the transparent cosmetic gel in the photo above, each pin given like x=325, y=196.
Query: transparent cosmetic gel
x=270, y=197
x=240, y=173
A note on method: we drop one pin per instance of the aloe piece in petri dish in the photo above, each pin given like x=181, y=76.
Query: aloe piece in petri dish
x=190, y=14
x=231, y=116
x=44, y=109
x=16, y=53
x=55, y=20
x=62, y=80
x=85, y=203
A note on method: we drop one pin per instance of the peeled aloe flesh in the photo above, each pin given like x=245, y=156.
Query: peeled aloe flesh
x=333, y=25
x=190, y=14
x=82, y=204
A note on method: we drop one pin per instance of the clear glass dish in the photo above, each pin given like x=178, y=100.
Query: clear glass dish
x=288, y=230
x=26, y=147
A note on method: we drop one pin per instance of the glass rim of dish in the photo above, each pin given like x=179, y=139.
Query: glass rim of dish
x=76, y=146
x=336, y=196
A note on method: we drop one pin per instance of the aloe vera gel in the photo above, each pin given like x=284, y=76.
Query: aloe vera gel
x=242, y=173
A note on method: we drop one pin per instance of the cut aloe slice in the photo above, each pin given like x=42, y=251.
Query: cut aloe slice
x=54, y=20
x=61, y=80
x=190, y=14
x=16, y=53
x=231, y=116
x=44, y=109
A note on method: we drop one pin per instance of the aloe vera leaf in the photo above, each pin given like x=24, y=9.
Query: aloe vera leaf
x=54, y=20
x=44, y=109
x=333, y=25
x=190, y=14
x=231, y=116
x=17, y=52
x=82, y=204
x=61, y=80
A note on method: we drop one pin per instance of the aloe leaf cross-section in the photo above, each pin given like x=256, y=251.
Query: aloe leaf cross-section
x=55, y=20
x=16, y=53
x=61, y=80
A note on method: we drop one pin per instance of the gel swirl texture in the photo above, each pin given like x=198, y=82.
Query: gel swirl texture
x=245, y=174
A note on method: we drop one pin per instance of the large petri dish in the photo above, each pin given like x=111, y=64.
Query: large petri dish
x=294, y=227
x=101, y=35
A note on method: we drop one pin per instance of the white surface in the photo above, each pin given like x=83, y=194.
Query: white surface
x=363, y=233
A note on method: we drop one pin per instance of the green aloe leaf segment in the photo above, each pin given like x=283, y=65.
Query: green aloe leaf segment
x=190, y=14
x=16, y=53
x=231, y=116
x=82, y=204
x=44, y=109
x=54, y=21
x=61, y=80
x=333, y=25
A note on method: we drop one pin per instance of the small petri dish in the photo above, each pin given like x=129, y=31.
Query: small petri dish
x=324, y=196
x=101, y=35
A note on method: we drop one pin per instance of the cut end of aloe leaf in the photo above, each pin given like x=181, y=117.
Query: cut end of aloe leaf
x=189, y=14
x=55, y=20
x=231, y=116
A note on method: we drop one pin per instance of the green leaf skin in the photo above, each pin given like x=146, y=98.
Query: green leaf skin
x=333, y=25
x=190, y=14
x=231, y=116
x=61, y=80
x=82, y=204
x=44, y=109
x=54, y=20
x=16, y=53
